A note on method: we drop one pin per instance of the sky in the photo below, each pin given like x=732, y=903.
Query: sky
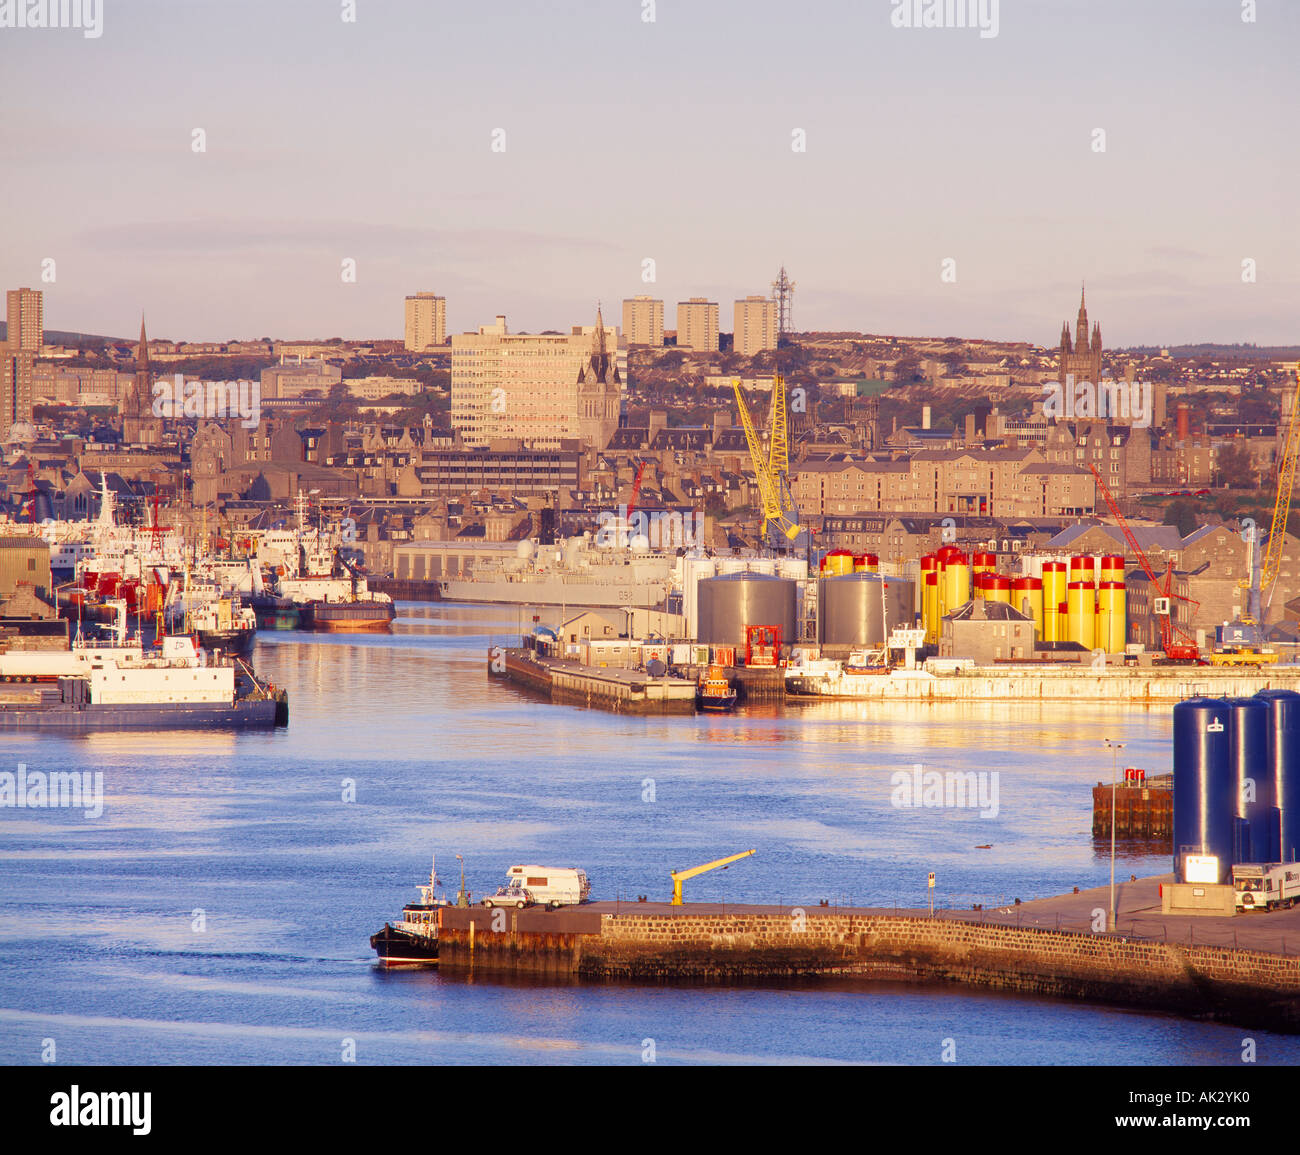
x=528, y=158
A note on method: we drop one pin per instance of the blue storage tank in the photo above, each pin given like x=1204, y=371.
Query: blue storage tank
x=1284, y=766
x=1252, y=779
x=1204, y=802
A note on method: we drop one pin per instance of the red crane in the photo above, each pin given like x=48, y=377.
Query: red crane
x=636, y=490
x=1184, y=650
x=31, y=493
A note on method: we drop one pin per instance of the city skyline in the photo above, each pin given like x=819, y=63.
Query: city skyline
x=674, y=142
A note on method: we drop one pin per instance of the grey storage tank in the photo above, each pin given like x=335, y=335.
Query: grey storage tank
x=860, y=610
x=729, y=603
x=1252, y=784
x=1205, y=805
x=1283, y=773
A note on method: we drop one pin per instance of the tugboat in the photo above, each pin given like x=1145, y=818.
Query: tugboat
x=714, y=691
x=413, y=941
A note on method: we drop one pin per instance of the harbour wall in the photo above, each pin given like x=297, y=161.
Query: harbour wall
x=1142, y=686
x=1246, y=987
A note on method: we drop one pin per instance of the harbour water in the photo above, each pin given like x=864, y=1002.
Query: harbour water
x=219, y=909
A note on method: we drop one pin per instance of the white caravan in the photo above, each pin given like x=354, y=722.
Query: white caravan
x=549, y=886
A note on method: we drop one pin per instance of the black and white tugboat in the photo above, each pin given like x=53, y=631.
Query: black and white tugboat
x=413, y=941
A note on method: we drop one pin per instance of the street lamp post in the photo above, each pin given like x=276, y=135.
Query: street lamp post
x=1115, y=748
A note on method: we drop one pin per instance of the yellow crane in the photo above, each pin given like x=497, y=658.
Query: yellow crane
x=680, y=876
x=778, y=446
x=1281, y=504
x=771, y=486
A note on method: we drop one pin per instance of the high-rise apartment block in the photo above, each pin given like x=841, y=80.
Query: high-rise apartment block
x=755, y=325
x=426, y=322
x=697, y=325
x=24, y=336
x=643, y=321
x=17, y=368
x=26, y=320
x=539, y=388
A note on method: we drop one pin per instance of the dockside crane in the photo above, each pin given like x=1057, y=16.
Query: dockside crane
x=771, y=469
x=1265, y=573
x=680, y=876
x=1179, y=646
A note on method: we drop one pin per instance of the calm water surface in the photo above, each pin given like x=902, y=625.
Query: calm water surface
x=219, y=910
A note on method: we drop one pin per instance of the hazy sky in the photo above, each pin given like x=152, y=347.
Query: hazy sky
x=671, y=140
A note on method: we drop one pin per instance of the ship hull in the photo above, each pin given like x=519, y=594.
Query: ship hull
x=262, y=713
x=348, y=617
x=397, y=948
x=236, y=642
x=276, y=613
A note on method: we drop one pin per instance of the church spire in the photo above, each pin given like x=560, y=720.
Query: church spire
x=598, y=337
x=1081, y=328
x=142, y=350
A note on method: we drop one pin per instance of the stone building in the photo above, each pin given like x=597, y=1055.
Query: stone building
x=987, y=631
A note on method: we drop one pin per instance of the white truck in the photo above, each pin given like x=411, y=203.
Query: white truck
x=1265, y=885
x=548, y=886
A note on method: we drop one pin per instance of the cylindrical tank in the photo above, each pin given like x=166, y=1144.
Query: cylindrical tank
x=977, y=585
x=1203, y=789
x=956, y=582
x=861, y=609
x=1112, y=568
x=1054, y=583
x=1027, y=597
x=729, y=603
x=1283, y=773
x=1248, y=750
x=1112, y=617
x=1082, y=602
x=930, y=606
x=859, y=563
x=838, y=561
x=997, y=588
x=983, y=562
x=872, y=562
x=1083, y=569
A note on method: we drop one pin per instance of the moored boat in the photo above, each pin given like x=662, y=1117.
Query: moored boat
x=715, y=691
x=413, y=939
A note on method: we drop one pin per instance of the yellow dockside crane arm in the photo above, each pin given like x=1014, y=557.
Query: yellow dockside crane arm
x=680, y=876
x=1282, y=502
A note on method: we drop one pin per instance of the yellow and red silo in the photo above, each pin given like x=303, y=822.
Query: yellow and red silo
x=1112, y=617
x=838, y=561
x=956, y=581
x=930, y=606
x=1081, y=600
x=1027, y=597
x=1054, y=590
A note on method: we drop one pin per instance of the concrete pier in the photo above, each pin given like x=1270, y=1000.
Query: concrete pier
x=1243, y=969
